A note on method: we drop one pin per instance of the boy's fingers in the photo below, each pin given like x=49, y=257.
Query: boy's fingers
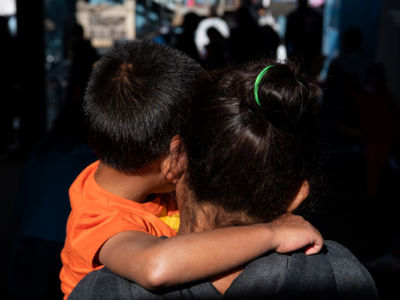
x=311, y=250
x=315, y=248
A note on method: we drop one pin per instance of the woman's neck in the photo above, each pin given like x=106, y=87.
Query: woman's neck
x=195, y=217
x=224, y=281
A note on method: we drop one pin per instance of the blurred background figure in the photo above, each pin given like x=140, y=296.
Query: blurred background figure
x=202, y=38
x=351, y=62
x=362, y=108
x=245, y=36
x=250, y=41
x=82, y=56
x=379, y=118
x=346, y=70
x=185, y=41
x=216, y=52
x=303, y=37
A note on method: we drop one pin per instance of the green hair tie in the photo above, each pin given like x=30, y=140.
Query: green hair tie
x=259, y=77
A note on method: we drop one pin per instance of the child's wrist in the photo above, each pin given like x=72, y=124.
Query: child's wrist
x=271, y=236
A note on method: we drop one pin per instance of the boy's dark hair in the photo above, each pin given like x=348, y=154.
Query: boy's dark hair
x=248, y=158
x=136, y=101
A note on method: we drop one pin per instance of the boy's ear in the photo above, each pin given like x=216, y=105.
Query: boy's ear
x=174, y=164
x=300, y=197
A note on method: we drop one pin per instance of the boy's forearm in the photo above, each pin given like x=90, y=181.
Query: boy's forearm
x=156, y=263
x=195, y=256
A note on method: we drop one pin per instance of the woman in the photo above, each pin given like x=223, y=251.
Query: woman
x=249, y=155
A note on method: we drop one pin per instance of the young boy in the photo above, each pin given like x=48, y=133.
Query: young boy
x=137, y=100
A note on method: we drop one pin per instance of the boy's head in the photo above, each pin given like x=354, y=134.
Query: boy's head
x=137, y=99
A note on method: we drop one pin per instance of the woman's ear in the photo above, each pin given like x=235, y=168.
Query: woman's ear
x=174, y=164
x=302, y=194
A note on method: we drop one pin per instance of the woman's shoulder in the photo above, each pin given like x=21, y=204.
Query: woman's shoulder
x=350, y=274
x=104, y=284
x=333, y=273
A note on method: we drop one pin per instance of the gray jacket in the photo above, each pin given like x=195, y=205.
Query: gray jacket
x=335, y=273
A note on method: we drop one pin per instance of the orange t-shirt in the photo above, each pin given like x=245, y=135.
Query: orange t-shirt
x=97, y=215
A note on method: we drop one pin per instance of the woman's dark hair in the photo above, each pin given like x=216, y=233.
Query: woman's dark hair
x=137, y=99
x=248, y=158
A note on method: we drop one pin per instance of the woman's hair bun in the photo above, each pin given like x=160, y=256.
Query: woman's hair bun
x=288, y=99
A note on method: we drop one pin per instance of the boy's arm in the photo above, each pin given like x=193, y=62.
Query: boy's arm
x=155, y=263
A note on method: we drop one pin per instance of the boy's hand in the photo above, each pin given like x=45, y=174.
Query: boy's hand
x=292, y=232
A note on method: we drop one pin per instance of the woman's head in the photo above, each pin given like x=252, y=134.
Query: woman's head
x=247, y=158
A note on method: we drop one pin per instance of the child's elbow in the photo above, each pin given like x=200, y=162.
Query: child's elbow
x=155, y=277
x=154, y=282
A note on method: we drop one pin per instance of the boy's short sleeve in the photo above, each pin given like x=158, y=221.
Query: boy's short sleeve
x=96, y=216
x=91, y=229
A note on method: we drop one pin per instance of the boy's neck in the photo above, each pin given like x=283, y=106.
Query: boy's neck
x=135, y=187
